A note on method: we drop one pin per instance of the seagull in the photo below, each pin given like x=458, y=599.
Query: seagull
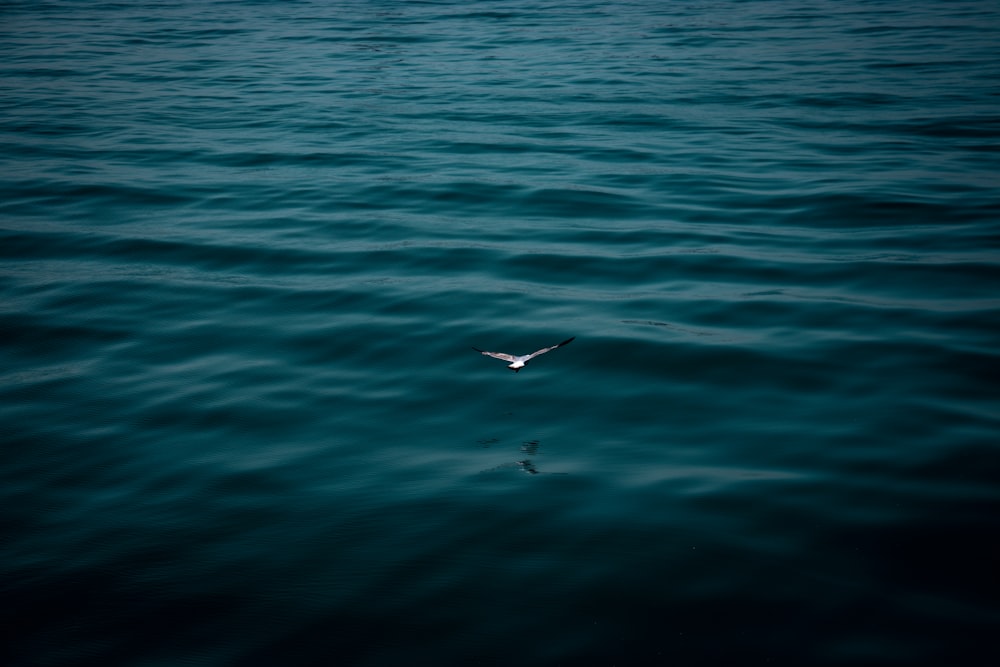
x=518, y=362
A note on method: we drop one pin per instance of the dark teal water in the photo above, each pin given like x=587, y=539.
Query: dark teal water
x=247, y=248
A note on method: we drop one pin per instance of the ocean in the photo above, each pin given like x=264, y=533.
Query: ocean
x=247, y=249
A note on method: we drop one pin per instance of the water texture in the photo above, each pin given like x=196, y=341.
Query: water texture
x=246, y=249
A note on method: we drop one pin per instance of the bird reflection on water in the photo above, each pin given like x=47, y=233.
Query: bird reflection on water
x=527, y=465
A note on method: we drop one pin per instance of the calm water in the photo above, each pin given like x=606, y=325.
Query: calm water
x=247, y=248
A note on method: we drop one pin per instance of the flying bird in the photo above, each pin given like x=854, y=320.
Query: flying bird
x=518, y=362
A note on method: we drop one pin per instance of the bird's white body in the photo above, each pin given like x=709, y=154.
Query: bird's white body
x=518, y=362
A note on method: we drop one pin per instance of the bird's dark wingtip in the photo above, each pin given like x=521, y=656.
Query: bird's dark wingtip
x=477, y=349
x=568, y=341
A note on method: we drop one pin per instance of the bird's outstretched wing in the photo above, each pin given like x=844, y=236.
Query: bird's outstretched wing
x=496, y=355
x=549, y=349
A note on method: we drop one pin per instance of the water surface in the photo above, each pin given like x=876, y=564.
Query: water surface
x=246, y=249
